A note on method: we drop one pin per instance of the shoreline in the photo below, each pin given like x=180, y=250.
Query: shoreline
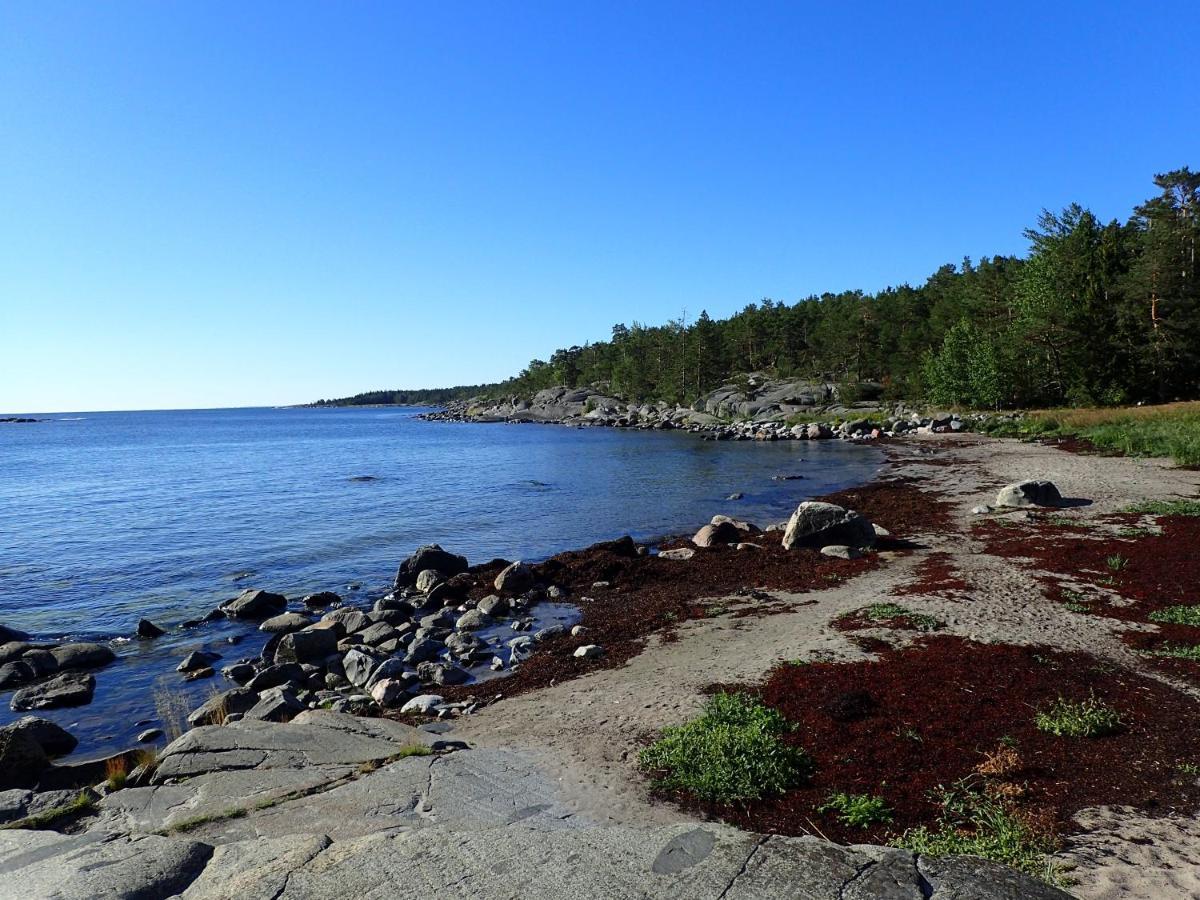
x=582, y=720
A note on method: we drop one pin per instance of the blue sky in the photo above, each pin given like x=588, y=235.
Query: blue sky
x=218, y=204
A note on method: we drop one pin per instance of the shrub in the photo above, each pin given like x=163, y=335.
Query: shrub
x=857, y=810
x=733, y=752
x=1086, y=718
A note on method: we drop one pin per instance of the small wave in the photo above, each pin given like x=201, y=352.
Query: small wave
x=73, y=419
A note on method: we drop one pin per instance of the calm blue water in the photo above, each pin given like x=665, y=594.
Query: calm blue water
x=108, y=517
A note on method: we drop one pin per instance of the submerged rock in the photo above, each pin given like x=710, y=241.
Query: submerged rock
x=147, y=629
x=82, y=656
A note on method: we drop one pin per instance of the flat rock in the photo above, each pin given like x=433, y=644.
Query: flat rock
x=96, y=864
x=68, y=689
x=677, y=553
x=82, y=655
x=285, y=622
x=841, y=551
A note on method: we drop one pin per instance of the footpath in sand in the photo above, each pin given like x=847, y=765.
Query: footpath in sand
x=538, y=795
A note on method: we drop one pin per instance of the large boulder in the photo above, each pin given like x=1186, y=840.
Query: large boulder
x=818, y=524
x=721, y=533
x=1029, y=493
x=431, y=556
x=285, y=622
x=254, y=604
x=12, y=650
x=22, y=759
x=82, y=656
x=359, y=666
x=11, y=634
x=54, y=739
x=277, y=704
x=68, y=689
x=308, y=646
x=515, y=578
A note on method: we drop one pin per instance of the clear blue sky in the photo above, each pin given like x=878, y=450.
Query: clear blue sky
x=215, y=204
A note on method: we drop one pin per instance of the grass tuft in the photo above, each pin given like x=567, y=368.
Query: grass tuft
x=973, y=824
x=1167, y=508
x=1177, y=615
x=82, y=804
x=733, y=752
x=1178, y=651
x=857, y=810
x=882, y=612
x=1084, y=718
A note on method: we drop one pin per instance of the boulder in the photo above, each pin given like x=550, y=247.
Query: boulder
x=12, y=650
x=431, y=556
x=622, y=546
x=493, y=605
x=471, y=620
x=390, y=668
x=147, y=629
x=817, y=524
x=376, y=634
x=8, y=635
x=285, y=622
x=441, y=673
x=321, y=599
x=254, y=604
x=238, y=673
x=389, y=692
x=351, y=619
x=16, y=673
x=721, y=533
x=1029, y=493
x=311, y=645
x=678, y=553
x=515, y=578
x=736, y=523
x=277, y=704
x=22, y=759
x=68, y=689
x=53, y=739
x=423, y=650
x=359, y=666
x=82, y=656
x=42, y=661
x=422, y=704
x=276, y=676
x=236, y=701
x=428, y=579
x=589, y=651
x=197, y=660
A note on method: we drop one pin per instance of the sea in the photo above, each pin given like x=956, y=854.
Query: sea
x=106, y=518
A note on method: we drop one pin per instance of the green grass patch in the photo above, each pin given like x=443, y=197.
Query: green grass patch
x=972, y=824
x=857, y=810
x=1116, y=562
x=733, y=752
x=1177, y=615
x=82, y=804
x=883, y=612
x=1178, y=651
x=1084, y=718
x=1166, y=508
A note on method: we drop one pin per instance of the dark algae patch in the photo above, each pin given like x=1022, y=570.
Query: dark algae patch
x=896, y=733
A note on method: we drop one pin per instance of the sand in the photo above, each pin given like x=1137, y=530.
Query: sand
x=587, y=730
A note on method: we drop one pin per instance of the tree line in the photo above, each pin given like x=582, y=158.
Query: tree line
x=1094, y=314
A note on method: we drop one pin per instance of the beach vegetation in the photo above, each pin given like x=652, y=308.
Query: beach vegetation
x=857, y=810
x=1188, y=614
x=1078, y=718
x=734, y=751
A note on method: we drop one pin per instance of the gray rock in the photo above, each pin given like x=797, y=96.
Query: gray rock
x=589, y=651
x=817, y=524
x=22, y=759
x=840, y=551
x=213, y=711
x=1029, y=493
x=82, y=656
x=284, y=623
x=359, y=666
x=389, y=668
x=678, y=553
x=310, y=645
x=721, y=533
x=12, y=650
x=423, y=703
x=8, y=635
x=16, y=673
x=350, y=619
x=376, y=634
x=472, y=619
x=68, y=689
x=97, y=864
x=254, y=604
x=423, y=650
x=441, y=673
x=196, y=660
x=53, y=739
x=238, y=673
x=147, y=629
x=273, y=676
x=321, y=599
x=389, y=692
x=42, y=661
x=431, y=556
x=981, y=510
x=516, y=578
x=277, y=704
x=427, y=580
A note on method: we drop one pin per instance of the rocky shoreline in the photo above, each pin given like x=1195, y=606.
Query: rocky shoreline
x=759, y=409
x=347, y=708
